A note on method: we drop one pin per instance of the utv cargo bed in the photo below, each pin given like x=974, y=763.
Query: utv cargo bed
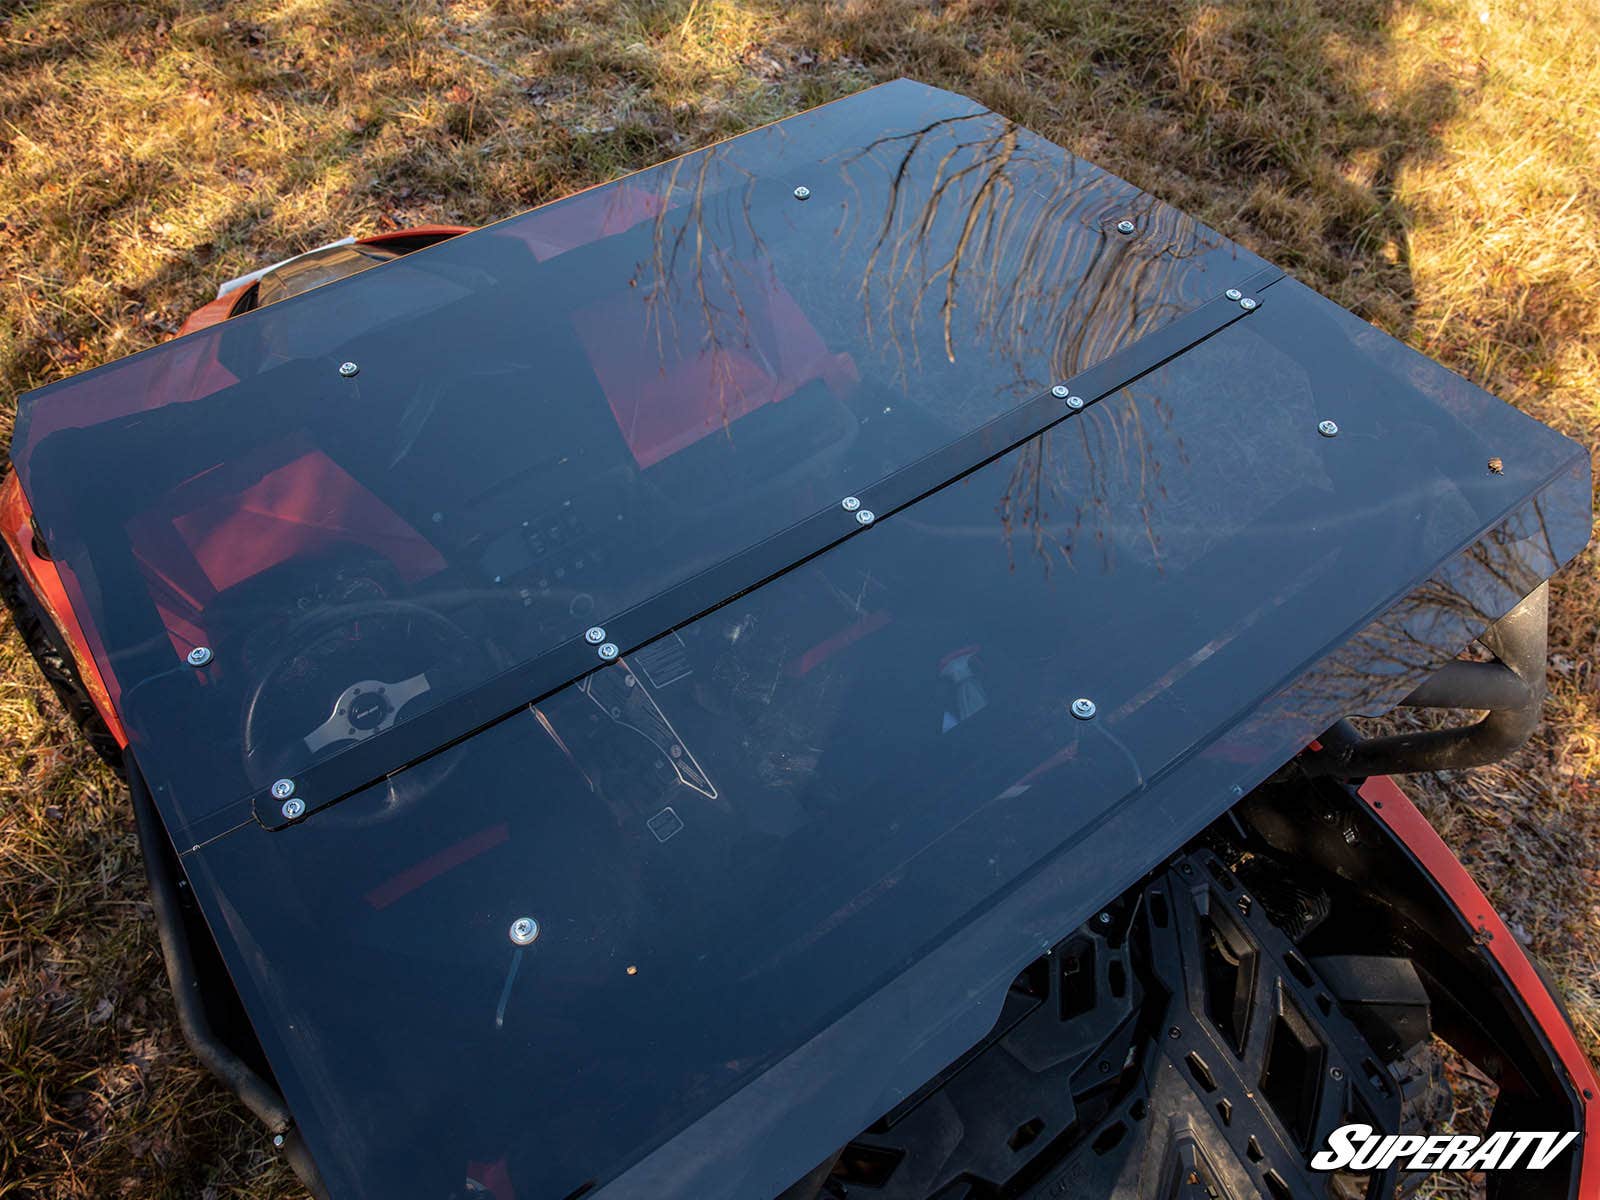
x=631, y=686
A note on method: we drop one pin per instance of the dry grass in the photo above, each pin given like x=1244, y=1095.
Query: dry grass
x=1432, y=164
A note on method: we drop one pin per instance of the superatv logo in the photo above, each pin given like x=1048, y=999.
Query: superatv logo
x=1356, y=1148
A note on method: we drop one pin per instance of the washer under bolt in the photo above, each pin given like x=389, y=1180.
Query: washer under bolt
x=277, y=1140
x=1125, y=226
x=198, y=657
x=1247, y=303
x=1234, y=294
x=1074, y=402
x=1335, y=1074
x=1104, y=918
x=850, y=504
x=349, y=369
x=608, y=650
x=1328, y=428
x=524, y=931
x=802, y=192
x=594, y=635
x=865, y=517
x=1174, y=1033
x=1083, y=708
x=283, y=789
x=1061, y=391
x=294, y=809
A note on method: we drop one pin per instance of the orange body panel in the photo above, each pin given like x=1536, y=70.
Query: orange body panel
x=42, y=577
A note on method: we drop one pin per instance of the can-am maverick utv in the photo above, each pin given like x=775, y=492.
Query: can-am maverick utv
x=818, y=669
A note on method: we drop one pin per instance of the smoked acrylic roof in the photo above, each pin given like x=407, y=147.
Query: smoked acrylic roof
x=787, y=848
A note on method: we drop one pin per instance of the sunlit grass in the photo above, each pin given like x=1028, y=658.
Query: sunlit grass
x=1431, y=164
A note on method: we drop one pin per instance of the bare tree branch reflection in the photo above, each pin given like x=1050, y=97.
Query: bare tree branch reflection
x=968, y=239
x=1375, y=669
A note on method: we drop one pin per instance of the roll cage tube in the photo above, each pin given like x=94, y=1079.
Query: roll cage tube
x=256, y=1093
x=1511, y=688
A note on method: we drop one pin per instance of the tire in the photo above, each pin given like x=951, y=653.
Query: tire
x=49, y=650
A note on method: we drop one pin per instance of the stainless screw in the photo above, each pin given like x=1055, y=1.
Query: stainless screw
x=594, y=635
x=1061, y=391
x=1124, y=226
x=283, y=789
x=1328, y=428
x=1074, y=402
x=850, y=504
x=865, y=517
x=1335, y=1074
x=348, y=369
x=294, y=809
x=1247, y=304
x=802, y=193
x=524, y=931
x=1104, y=918
x=1174, y=1033
x=1234, y=294
x=199, y=656
x=1083, y=708
x=277, y=1140
x=608, y=651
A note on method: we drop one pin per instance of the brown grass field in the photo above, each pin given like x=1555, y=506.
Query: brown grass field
x=1433, y=165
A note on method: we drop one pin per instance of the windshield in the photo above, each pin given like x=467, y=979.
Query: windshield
x=315, y=268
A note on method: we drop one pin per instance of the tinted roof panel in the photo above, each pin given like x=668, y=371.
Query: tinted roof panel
x=560, y=416
x=786, y=860
x=826, y=820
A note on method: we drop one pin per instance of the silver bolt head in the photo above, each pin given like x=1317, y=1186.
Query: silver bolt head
x=524, y=931
x=277, y=1140
x=850, y=504
x=199, y=656
x=608, y=651
x=1074, y=402
x=1247, y=304
x=1124, y=226
x=1104, y=918
x=283, y=789
x=1060, y=391
x=594, y=635
x=294, y=809
x=802, y=193
x=1234, y=294
x=1083, y=708
x=349, y=369
x=865, y=517
x=1328, y=428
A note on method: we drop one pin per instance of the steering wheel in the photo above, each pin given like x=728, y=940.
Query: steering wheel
x=348, y=673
